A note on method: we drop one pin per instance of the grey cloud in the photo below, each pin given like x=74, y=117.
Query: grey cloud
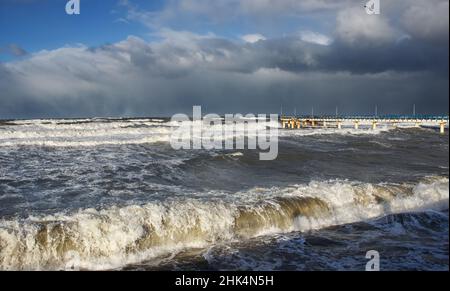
x=390, y=60
x=427, y=20
x=135, y=77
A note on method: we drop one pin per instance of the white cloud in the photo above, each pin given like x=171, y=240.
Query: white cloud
x=255, y=7
x=226, y=11
x=266, y=7
x=316, y=38
x=355, y=27
x=252, y=38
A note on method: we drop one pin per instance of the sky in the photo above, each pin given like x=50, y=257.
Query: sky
x=125, y=58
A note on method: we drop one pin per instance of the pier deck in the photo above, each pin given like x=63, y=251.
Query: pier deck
x=357, y=122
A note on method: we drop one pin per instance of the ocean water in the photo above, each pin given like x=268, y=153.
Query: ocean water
x=103, y=194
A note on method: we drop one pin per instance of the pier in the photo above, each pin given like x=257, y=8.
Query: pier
x=359, y=122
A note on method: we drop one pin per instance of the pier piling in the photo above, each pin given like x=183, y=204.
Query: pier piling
x=442, y=127
x=374, y=125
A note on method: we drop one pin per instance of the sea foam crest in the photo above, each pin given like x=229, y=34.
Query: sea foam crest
x=114, y=237
x=91, y=132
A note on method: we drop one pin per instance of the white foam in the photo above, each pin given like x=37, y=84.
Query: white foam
x=114, y=237
x=334, y=131
x=91, y=133
x=236, y=154
x=76, y=134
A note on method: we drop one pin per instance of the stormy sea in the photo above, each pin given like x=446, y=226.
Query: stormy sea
x=112, y=194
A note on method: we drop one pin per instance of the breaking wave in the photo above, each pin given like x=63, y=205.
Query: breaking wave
x=99, y=132
x=117, y=236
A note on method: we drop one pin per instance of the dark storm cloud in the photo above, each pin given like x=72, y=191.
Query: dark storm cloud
x=365, y=61
x=407, y=55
